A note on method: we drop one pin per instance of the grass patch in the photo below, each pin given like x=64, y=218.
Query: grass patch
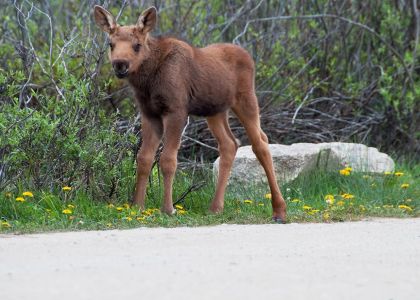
x=320, y=197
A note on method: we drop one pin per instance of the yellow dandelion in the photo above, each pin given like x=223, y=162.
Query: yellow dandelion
x=71, y=206
x=20, y=199
x=306, y=207
x=109, y=225
x=248, y=201
x=387, y=173
x=398, y=174
x=405, y=207
x=67, y=211
x=140, y=218
x=345, y=172
x=181, y=212
x=267, y=196
x=295, y=200
x=329, y=199
x=147, y=212
x=133, y=213
x=66, y=188
x=405, y=185
x=179, y=206
x=126, y=205
x=119, y=208
x=27, y=194
x=347, y=196
x=260, y=204
x=313, y=211
x=128, y=219
x=5, y=224
x=340, y=203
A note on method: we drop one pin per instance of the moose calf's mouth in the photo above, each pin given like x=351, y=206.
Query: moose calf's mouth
x=121, y=74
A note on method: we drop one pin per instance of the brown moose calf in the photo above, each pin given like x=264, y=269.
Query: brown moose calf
x=171, y=80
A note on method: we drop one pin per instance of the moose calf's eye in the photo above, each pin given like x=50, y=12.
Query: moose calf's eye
x=111, y=45
x=136, y=47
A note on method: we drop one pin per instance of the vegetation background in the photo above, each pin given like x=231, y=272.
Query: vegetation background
x=326, y=71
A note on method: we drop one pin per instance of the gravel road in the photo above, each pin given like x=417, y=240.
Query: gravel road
x=375, y=259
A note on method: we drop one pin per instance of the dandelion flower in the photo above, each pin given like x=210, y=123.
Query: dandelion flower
x=20, y=199
x=133, y=213
x=27, y=194
x=260, y=204
x=340, y=203
x=71, y=206
x=119, y=208
x=267, y=196
x=387, y=173
x=67, y=211
x=306, y=207
x=179, y=206
x=329, y=199
x=295, y=200
x=66, y=188
x=109, y=225
x=140, y=218
x=248, y=201
x=405, y=207
x=405, y=185
x=5, y=224
x=126, y=205
x=345, y=172
x=128, y=219
x=347, y=196
x=398, y=174
x=181, y=212
x=147, y=212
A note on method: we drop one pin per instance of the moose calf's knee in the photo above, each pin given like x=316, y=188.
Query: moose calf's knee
x=144, y=164
x=168, y=164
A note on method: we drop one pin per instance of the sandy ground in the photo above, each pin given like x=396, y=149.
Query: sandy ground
x=376, y=259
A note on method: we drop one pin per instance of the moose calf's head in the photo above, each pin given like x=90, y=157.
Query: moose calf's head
x=128, y=45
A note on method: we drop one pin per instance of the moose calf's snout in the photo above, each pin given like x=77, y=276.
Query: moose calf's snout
x=120, y=67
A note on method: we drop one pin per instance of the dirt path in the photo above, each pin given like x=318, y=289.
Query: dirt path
x=377, y=259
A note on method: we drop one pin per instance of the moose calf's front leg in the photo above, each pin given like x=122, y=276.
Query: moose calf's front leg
x=151, y=135
x=173, y=125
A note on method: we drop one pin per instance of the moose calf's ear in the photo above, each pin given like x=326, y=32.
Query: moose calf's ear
x=104, y=19
x=147, y=20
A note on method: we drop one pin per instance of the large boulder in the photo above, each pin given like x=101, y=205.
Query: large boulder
x=292, y=160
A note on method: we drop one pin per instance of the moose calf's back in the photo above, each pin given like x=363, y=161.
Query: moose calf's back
x=201, y=81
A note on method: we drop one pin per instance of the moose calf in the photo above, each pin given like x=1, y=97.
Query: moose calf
x=172, y=80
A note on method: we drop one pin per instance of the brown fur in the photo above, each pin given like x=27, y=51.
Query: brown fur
x=172, y=80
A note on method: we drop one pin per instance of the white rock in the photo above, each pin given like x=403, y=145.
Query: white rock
x=291, y=161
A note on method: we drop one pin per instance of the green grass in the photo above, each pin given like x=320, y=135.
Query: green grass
x=373, y=195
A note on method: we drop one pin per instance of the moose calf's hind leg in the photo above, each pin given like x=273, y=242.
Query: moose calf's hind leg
x=219, y=127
